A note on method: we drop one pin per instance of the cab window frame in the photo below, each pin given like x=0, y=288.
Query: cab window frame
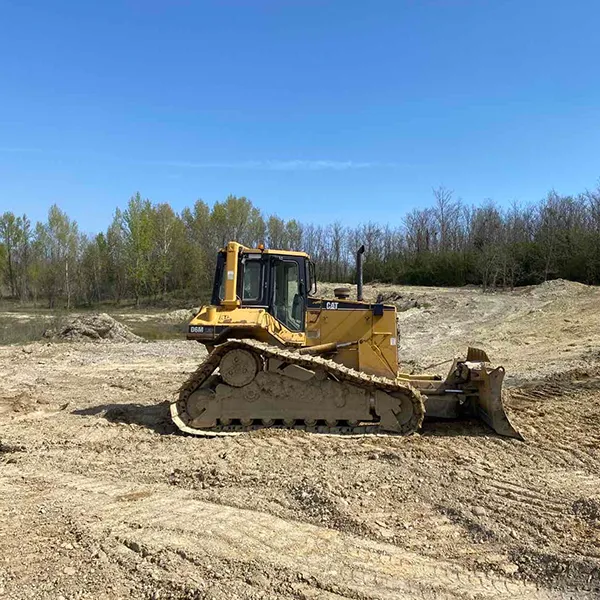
x=260, y=300
x=300, y=265
x=218, y=280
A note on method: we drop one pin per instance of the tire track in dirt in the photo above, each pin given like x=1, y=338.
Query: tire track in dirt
x=162, y=518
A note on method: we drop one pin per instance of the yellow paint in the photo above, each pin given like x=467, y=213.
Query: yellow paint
x=230, y=276
x=263, y=325
x=374, y=354
x=265, y=251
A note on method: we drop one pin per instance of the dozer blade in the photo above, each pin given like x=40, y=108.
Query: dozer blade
x=472, y=388
x=477, y=355
x=488, y=405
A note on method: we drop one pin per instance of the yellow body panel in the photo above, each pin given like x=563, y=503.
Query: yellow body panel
x=247, y=322
x=376, y=351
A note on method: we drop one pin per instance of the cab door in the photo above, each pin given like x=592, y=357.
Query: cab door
x=288, y=291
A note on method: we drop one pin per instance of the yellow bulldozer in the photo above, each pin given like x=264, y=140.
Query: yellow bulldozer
x=280, y=356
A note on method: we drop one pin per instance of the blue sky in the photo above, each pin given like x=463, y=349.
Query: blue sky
x=314, y=109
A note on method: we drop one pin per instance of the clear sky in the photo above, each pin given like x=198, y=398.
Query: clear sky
x=316, y=109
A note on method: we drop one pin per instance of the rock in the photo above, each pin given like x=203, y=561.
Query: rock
x=479, y=511
x=259, y=580
x=69, y=571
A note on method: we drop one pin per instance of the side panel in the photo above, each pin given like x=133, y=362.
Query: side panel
x=372, y=326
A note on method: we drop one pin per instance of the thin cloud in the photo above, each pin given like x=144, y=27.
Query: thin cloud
x=279, y=165
x=12, y=149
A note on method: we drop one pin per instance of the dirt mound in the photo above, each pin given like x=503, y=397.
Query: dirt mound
x=402, y=297
x=401, y=301
x=97, y=327
x=556, y=287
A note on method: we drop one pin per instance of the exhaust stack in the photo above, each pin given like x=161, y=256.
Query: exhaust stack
x=359, y=273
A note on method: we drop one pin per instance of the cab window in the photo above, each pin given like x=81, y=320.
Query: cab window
x=252, y=280
x=288, y=305
x=218, y=292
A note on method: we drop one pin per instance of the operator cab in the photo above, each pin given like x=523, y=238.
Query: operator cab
x=279, y=283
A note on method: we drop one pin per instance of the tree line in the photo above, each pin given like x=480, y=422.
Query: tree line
x=150, y=252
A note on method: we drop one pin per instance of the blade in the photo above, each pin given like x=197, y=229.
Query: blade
x=477, y=355
x=490, y=408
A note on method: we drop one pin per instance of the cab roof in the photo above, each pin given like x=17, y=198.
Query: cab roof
x=263, y=250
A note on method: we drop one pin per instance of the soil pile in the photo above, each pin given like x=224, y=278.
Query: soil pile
x=97, y=327
x=555, y=288
x=401, y=301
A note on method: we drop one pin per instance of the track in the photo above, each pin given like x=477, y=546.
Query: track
x=334, y=370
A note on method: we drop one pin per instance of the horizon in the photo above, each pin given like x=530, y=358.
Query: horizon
x=399, y=224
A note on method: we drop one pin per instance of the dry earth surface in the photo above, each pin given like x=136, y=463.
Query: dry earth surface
x=101, y=498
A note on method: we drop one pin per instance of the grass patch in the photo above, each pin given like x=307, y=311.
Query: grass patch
x=156, y=330
x=21, y=325
x=24, y=331
x=31, y=329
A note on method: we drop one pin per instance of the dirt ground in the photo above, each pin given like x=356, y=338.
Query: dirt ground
x=100, y=498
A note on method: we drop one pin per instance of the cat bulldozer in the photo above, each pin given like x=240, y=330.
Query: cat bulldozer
x=280, y=356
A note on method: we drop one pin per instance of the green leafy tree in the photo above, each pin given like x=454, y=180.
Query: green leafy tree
x=164, y=229
x=137, y=225
x=94, y=268
x=116, y=272
x=276, y=233
x=58, y=241
x=195, y=253
x=235, y=219
x=11, y=236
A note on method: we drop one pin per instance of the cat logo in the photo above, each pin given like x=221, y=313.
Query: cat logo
x=331, y=305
